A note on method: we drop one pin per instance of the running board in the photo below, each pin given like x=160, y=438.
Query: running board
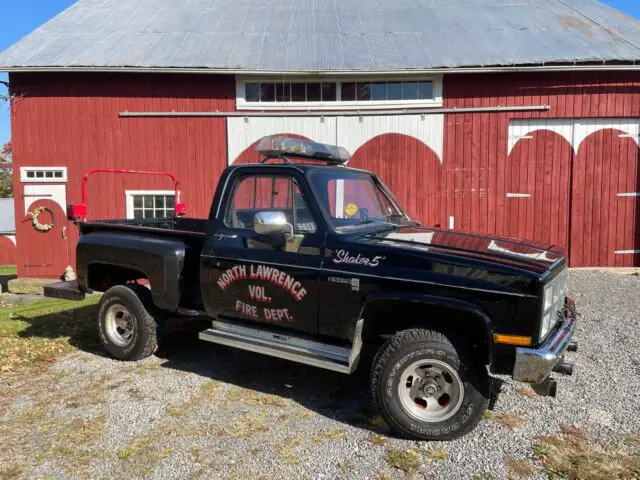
x=290, y=347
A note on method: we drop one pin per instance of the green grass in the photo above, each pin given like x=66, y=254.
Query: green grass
x=37, y=334
x=575, y=455
x=6, y=270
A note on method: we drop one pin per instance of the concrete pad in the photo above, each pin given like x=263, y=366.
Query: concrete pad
x=29, y=286
x=18, y=300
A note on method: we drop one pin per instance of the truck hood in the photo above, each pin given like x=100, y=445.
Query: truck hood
x=507, y=251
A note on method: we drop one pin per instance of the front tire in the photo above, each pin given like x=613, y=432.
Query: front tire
x=127, y=329
x=426, y=389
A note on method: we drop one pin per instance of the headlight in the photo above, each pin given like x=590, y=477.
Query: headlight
x=546, y=325
x=548, y=297
x=553, y=301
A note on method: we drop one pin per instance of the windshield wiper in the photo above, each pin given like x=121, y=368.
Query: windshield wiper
x=379, y=221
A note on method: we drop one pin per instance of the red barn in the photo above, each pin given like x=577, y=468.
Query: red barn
x=513, y=118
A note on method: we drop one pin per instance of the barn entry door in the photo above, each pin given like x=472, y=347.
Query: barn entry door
x=44, y=248
x=537, y=180
x=605, y=213
x=576, y=183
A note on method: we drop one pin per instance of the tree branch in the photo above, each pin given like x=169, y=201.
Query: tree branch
x=5, y=98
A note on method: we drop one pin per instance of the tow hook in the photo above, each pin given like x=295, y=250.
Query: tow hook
x=573, y=346
x=564, y=368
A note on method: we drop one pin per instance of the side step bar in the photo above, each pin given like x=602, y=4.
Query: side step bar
x=290, y=347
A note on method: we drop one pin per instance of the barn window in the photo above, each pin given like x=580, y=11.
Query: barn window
x=270, y=94
x=150, y=204
x=43, y=174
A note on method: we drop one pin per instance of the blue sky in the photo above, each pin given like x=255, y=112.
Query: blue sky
x=21, y=17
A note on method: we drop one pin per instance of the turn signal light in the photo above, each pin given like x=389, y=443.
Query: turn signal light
x=512, y=339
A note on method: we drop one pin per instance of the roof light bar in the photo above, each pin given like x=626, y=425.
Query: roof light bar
x=281, y=146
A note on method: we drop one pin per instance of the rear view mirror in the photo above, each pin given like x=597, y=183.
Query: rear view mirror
x=275, y=224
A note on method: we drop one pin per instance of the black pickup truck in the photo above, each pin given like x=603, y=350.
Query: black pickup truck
x=318, y=263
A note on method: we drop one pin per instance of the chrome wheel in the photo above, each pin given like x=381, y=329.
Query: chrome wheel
x=430, y=390
x=119, y=325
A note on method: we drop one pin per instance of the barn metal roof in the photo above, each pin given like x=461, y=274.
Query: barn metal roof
x=7, y=216
x=326, y=35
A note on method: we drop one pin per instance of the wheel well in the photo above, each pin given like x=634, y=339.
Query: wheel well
x=101, y=277
x=383, y=318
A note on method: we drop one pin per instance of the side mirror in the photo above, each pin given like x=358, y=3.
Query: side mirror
x=275, y=224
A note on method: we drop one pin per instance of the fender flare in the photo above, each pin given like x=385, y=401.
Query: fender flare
x=160, y=260
x=434, y=300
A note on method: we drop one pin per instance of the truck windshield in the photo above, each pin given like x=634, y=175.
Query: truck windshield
x=353, y=200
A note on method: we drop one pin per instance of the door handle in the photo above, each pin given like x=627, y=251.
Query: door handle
x=222, y=236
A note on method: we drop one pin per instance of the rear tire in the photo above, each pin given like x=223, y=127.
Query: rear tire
x=426, y=388
x=127, y=329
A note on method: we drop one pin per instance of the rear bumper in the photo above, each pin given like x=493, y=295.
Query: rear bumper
x=533, y=365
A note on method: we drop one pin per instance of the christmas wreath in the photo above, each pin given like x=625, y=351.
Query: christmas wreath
x=41, y=227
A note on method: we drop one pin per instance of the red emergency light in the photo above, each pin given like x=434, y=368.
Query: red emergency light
x=78, y=211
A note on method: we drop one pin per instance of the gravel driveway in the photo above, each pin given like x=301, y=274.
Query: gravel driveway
x=206, y=411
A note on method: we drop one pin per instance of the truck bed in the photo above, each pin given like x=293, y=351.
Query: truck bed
x=165, y=226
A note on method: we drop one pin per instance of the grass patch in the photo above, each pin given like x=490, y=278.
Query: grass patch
x=376, y=439
x=378, y=421
x=15, y=471
x=125, y=453
x=248, y=427
x=527, y=391
x=438, y=454
x=347, y=465
x=286, y=450
x=574, y=455
x=519, y=468
x=142, y=454
x=484, y=476
x=7, y=270
x=405, y=460
x=331, y=434
x=383, y=475
x=38, y=334
x=508, y=420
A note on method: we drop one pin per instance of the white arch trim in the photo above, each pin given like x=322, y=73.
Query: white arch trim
x=575, y=132
x=37, y=192
x=354, y=132
x=12, y=238
x=349, y=132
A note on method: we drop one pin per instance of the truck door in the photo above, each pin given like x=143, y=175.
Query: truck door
x=247, y=276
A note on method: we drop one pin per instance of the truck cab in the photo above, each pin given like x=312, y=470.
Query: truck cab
x=317, y=263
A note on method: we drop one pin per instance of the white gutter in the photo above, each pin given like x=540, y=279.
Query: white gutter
x=541, y=68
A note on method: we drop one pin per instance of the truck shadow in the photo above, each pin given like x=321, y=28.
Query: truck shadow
x=344, y=398
x=78, y=325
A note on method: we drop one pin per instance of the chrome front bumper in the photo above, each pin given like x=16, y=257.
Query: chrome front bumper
x=533, y=365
